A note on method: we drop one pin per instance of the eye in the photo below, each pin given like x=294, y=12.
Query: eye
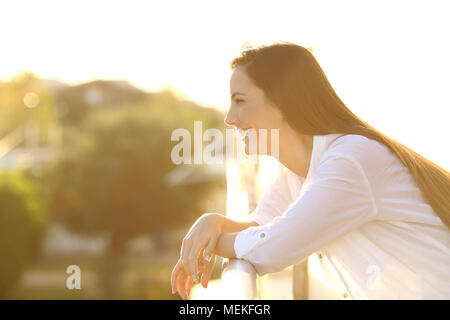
x=239, y=100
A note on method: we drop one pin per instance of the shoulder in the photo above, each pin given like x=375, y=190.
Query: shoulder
x=354, y=142
x=357, y=154
x=365, y=151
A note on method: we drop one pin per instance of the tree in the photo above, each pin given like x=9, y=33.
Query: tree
x=110, y=179
x=22, y=220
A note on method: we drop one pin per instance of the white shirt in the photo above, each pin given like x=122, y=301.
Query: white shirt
x=360, y=210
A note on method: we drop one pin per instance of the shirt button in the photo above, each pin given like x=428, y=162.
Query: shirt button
x=262, y=235
x=345, y=295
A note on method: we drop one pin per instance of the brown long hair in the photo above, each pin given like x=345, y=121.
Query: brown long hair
x=293, y=80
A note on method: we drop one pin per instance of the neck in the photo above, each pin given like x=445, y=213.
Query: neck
x=295, y=151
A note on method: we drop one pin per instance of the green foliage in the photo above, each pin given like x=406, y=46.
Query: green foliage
x=111, y=178
x=22, y=221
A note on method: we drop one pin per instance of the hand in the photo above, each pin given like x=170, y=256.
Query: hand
x=182, y=281
x=206, y=267
x=203, y=234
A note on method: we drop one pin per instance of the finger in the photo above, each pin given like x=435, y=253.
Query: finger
x=210, y=248
x=206, y=275
x=193, y=260
x=203, y=279
x=175, y=273
x=202, y=269
x=180, y=286
x=186, y=248
x=202, y=266
x=188, y=286
x=177, y=285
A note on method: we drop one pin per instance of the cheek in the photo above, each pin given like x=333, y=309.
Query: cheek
x=259, y=117
x=247, y=115
x=272, y=118
x=264, y=120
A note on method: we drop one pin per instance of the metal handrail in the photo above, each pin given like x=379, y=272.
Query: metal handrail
x=238, y=280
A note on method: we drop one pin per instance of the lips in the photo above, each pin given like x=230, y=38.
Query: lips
x=243, y=132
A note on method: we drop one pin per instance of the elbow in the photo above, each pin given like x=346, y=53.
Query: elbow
x=267, y=265
x=266, y=256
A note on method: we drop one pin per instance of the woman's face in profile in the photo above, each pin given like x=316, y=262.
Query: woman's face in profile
x=250, y=109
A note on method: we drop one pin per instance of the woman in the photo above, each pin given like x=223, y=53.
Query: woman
x=376, y=212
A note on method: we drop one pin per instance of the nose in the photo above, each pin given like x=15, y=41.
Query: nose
x=231, y=118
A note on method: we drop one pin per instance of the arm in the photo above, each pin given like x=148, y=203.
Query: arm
x=338, y=200
x=230, y=228
x=273, y=202
x=225, y=245
x=230, y=225
x=207, y=230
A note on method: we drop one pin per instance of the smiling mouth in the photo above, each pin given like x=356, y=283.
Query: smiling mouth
x=243, y=132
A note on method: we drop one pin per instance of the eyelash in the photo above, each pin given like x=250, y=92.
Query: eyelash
x=239, y=100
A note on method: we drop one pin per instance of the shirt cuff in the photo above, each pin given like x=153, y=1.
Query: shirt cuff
x=248, y=239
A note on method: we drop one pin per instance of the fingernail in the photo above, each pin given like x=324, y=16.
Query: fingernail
x=207, y=257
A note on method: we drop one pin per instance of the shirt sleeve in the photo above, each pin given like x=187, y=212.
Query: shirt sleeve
x=338, y=200
x=272, y=203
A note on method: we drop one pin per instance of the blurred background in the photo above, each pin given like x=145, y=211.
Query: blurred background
x=90, y=92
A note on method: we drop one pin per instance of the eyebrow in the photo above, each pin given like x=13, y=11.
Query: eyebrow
x=232, y=96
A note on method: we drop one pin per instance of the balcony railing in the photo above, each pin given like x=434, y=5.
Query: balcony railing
x=239, y=280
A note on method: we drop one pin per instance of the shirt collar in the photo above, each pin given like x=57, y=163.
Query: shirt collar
x=320, y=145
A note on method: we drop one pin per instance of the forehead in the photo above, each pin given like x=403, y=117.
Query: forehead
x=239, y=81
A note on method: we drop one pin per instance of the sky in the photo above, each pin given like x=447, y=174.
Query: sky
x=387, y=60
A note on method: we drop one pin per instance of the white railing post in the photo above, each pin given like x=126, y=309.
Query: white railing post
x=238, y=280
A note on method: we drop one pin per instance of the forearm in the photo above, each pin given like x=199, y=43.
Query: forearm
x=225, y=245
x=228, y=231
x=230, y=225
